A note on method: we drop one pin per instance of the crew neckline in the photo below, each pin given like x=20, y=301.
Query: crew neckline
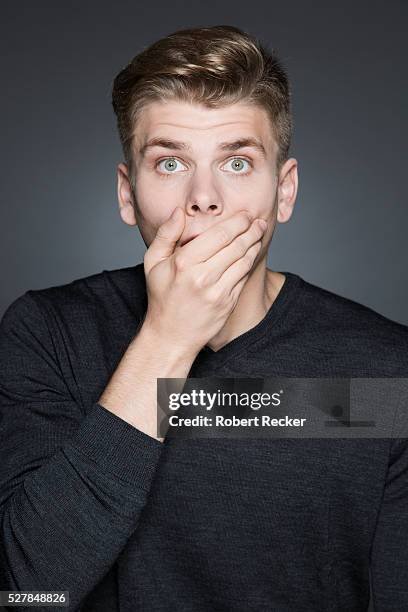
x=272, y=322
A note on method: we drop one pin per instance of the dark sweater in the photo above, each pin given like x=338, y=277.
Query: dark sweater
x=91, y=505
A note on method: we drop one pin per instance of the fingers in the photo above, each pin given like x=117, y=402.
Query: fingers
x=164, y=242
x=216, y=237
x=236, y=275
x=216, y=266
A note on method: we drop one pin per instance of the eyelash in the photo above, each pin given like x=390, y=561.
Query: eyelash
x=166, y=175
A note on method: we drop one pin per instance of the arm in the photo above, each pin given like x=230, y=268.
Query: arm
x=72, y=485
x=389, y=552
x=134, y=398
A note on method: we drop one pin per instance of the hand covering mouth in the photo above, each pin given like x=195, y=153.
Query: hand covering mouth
x=185, y=240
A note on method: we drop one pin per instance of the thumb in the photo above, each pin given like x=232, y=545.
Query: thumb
x=167, y=235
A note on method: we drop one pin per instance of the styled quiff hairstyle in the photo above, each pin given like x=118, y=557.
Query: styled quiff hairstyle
x=213, y=66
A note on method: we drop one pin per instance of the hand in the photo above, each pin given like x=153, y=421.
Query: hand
x=193, y=289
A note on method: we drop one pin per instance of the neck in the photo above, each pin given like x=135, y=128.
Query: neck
x=255, y=299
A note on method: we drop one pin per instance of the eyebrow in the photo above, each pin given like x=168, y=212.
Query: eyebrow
x=177, y=145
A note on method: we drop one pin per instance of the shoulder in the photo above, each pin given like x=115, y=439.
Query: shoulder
x=328, y=307
x=101, y=293
x=357, y=327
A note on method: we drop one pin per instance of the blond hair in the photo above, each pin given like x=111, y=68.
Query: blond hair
x=213, y=66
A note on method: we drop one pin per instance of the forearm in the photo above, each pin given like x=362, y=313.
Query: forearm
x=74, y=478
x=64, y=524
x=131, y=392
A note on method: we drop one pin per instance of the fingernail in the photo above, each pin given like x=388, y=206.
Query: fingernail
x=262, y=224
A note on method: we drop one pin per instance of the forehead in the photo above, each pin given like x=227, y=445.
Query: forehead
x=197, y=125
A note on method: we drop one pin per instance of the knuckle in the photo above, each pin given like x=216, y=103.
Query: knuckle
x=240, y=244
x=180, y=262
x=223, y=235
x=213, y=296
x=200, y=281
x=162, y=232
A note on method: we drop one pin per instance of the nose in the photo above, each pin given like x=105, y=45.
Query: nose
x=204, y=194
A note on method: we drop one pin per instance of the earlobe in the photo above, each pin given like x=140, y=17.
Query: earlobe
x=287, y=190
x=127, y=213
x=125, y=196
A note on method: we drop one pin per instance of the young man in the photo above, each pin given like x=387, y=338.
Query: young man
x=93, y=501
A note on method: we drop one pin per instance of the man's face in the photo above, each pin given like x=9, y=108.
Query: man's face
x=218, y=171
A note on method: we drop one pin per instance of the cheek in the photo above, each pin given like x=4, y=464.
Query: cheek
x=258, y=197
x=154, y=205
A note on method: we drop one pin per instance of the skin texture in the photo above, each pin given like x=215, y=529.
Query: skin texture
x=202, y=182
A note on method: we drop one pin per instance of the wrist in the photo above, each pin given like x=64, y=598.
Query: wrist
x=158, y=340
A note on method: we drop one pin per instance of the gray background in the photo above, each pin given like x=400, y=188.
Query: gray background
x=59, y=216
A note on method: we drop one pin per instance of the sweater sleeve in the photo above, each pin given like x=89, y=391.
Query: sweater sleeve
x=389, y=551
x=72, y=484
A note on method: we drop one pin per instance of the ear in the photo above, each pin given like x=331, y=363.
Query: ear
x=125, y=196
x=287, y=189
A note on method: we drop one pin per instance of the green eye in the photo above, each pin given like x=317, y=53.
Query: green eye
x=237, y=164
x=170, y=164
